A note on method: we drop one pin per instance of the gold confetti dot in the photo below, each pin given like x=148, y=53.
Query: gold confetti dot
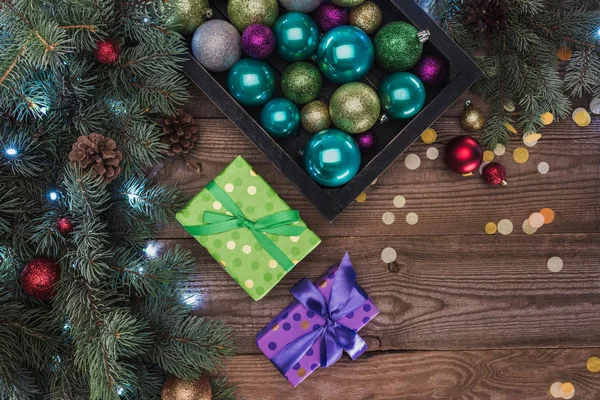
x=564, y=53
x=228, y=187
x=548, y=215
x=223, y=263
x=301, y=372
x=555, y=390
x=593, y=364
x=582, y=117
x=505, y=227
x=275, y=327
x=429, y=136
x=323, y=283
x=249, y=283
x=536, y=220
x=490, y=228
x=247, y=249
x=567, y=390
x=547, y=118
x=272, y=264
x=543, y=168
x=231, y=245
x=253, y=172
x=468, y=174
x=531, y=139
x=217, y=205
x=412, y=161
x=521, y=155
x=510, y=128
x=361, y=197
x=432, y=153
x=304, y=324
x=388, y=218
x=294, y=238
x=488, y=156
x=527, y=228
x=499, y=149
x=251, y=190
x=555, y=264
x=388, y=255
x=412, y=218
x=399, y=201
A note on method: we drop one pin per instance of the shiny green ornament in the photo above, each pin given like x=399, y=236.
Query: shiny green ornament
x=331, y=158
x=354, y=107
x=184, y=16
x=347, y=3
x=402, y=95
x=296, y=35
x=280, y=118
x=301, y=82
x=315, y=116
x=251, y=82
x=399, y=45
x=243, y=13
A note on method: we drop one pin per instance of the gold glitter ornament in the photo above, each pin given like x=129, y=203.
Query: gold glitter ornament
x=315, y=116
x=472, y=118
x=354, y=107
x=243, y=13
x=184, y=16
x=301, y=82
x=347, y=3
x=366, y=16
x=178, y=389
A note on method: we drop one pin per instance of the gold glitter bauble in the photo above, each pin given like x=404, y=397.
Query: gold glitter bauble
x=243, y=13
x=184, y=16
x=354, y=107
x=178, y=389
x=315, y=116
x=472, y=118
x=366, y=16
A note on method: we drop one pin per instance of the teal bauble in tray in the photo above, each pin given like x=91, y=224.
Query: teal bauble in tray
x=251, y=82
x=297, y=36
x=402, y=95
x=280, y=118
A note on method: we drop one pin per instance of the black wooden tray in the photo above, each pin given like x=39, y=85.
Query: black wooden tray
x=393, y=137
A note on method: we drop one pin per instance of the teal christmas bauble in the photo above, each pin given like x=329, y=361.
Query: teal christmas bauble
x=331, y=158
x=251, y=82
x=296, y=35
x=402, y=95
x=280, y=118
x=345, y=54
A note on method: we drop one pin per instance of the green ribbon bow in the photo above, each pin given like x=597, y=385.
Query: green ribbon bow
x=279, y=223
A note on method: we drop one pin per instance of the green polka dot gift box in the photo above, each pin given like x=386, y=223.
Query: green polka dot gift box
x=248, y=228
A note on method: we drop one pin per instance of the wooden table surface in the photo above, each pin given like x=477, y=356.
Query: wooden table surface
x=463, y=314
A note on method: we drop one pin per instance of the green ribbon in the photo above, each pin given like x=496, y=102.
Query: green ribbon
x=279, y=223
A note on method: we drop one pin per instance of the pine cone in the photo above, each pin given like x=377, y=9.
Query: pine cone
x=98, y=153
x=179, y=132
x=485, y=15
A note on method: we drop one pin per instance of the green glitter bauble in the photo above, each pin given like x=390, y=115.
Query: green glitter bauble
x=315, y=116
x=301, y=82
x=398, y=46
x=243, y=13
x=184, y=16
x=347, y=3
x=354, y=107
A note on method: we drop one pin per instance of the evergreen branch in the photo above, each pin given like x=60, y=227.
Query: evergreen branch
x=90, y=28
x=13, y=63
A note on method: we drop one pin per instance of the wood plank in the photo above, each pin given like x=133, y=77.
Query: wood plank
x=466, y=375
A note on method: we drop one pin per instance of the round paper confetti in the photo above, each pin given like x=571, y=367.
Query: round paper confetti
x=505, y=227
x=374, y=182
x=521, y=155
x=499, y=149
x=547, y=118
x=595, y=106
x=567, y=390
x=399, y=201
x=593, y=364
x=412, y=218
x=388, y=255
x=511, y=128
x=555, y=390
x=509, y=106
x=388, y=218
x=564, y=53
x=428, y=136
x=527, y=228
x=582, y=117
x=488, y=156
x=555, y=264
x=482, y=166
x=412, y=161
x=361, y=197
x=490, y=228
x=536, y=220
x=432, y=153
x=543, y=168
x=531, y=139
x=548, y=215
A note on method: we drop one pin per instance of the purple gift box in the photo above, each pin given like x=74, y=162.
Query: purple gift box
x=319, y=325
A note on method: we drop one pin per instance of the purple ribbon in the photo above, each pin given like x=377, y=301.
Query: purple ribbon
x=345, y=298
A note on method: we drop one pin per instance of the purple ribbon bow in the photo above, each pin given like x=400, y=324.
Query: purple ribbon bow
x=345, y=298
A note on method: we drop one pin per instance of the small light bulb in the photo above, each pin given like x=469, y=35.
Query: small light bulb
x=53, y=195
x=151, y=250
x=141, y=270
x=11, y=152
x=191, y=299
x=120, y=391
x=146, y=20
x=44, y=110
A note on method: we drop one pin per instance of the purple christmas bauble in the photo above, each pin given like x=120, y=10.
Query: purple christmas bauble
x=330, y=16
x=366, y=141
x=431, y=70
x=258, y=41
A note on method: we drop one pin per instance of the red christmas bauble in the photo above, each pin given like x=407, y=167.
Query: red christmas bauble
x=64, y=226
x=39, y=277
x=463, y=154
x=495, y=174
x=107, y=51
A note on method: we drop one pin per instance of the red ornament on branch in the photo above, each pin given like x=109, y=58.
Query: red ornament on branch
x=39, y=277
x=64, y=226
x=495, y=174
x=463, y=154
x=107, y=51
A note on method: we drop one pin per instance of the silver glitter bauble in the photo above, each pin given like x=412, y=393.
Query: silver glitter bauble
x=595, y=106
x=217, y=45
x=304, y=6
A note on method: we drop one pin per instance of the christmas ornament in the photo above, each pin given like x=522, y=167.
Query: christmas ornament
x=280, y=118
x=330, y=16
x=98, y=154
x=304, y=6
x=178, y=389
x=331, y=158
x=399, y=45
x=217, y=45
x=297, y=36
x=366, y=141
x=485, y=16
x=251, y=82
x=354, y=107
x=39, y=277
x=472, y=118
x=595, y=106
x=64, y=226
x=348, y=3
x=431, y=70
x=402, y=95
x=184, y=16
x=315, y=116
x=495, y=174
x=258, y=41
x=243, y=13
x=107, y=51
x=366, y=16
x=463, y=154
x=179, y=133
x=345, y=54
x=301, y=82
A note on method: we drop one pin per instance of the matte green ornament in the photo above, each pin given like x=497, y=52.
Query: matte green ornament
x=347, y=3
x=251, y=82
x=243, y=13
x=315, y=116
x=280, y=118
x=297, y=36
x=184, y=16
x=301, y=82
x=354, y=107
x=399, y=45
x=402, y=95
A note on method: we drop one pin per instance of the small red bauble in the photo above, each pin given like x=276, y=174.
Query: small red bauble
x=495, y=174
x=463, y=154
x=64, y=226
x=39, y=277
x=107, y=51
